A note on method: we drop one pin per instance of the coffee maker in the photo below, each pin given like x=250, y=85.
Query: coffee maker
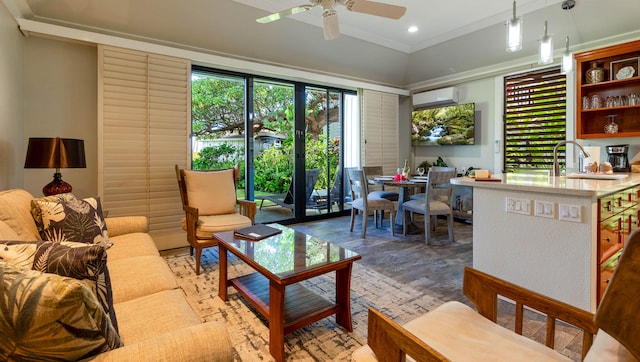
x=618, y=157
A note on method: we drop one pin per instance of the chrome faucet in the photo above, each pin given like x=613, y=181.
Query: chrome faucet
x=556, y=166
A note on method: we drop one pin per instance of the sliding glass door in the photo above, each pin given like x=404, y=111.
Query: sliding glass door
x=286, y=136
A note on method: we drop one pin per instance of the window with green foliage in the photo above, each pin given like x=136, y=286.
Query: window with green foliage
x=534, y=119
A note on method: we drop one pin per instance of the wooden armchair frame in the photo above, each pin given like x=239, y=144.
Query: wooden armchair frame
x=391, y=342
x=245, y=207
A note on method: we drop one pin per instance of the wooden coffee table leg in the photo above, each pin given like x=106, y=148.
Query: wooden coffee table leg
x=276, y=320
x=222, y=261
x=343, y=297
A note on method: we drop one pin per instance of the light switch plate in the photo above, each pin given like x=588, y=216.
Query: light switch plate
x=518, y=206
x=567, y=212
x=545, y=209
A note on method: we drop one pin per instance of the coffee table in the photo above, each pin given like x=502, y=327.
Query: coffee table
x=281, y=262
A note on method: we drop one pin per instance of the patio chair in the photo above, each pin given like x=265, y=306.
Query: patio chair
x=210, y=206
x=286, y=199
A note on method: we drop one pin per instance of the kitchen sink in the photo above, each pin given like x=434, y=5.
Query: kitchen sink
x=598, y=176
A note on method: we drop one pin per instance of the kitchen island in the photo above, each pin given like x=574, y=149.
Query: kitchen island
x=555, y=235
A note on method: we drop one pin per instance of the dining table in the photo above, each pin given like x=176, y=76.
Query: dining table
x=404, y=192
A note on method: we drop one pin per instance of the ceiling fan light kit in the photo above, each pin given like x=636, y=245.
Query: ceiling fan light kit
x=330, y=23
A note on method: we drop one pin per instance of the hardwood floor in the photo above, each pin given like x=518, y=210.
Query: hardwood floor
x=434, y=269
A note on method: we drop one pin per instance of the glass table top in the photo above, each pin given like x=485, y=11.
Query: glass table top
x=290, y=252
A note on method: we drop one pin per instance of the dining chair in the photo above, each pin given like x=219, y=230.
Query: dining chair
x=365, y=202
x=421, y=195
x=210, y=206
x=437, y=201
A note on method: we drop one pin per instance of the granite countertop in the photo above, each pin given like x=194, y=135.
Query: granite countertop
x=553, y=185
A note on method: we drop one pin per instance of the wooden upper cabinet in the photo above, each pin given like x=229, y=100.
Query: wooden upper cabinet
x=616, y=91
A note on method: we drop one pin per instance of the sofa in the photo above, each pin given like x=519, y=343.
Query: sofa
x=153, y=321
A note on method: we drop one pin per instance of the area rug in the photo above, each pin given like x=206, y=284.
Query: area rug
x=321, y=341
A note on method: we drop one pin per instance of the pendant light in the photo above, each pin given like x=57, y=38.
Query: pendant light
x=545, y=54
x=514, y=31
x=567, y=59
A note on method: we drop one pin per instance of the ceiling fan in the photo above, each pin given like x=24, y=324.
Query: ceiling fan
x=330, y=16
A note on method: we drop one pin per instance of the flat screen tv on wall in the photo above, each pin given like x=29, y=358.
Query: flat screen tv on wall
x=449, y=125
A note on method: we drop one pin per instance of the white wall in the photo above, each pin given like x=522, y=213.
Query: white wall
x=60, y=100
x=11, y=153
x=482, y=154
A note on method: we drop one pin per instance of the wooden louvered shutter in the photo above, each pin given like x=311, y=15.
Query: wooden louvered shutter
x=380, y=114
x=144, y=117
x=535, y=119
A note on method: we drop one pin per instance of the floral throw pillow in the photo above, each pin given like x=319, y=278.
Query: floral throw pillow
x=50, y=317
x=74, y=220
x=37, y=213
x=87, y=263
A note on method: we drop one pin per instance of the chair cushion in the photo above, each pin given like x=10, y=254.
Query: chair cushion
x=211, y=192
x=51, y=317
x=462, y=334
x=373, y=203
x=207, y=225
x=389, y=195
x=74, y=220
x=435, y=207
x=606, y=348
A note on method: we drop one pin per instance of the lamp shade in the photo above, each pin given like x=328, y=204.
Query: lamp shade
x=55, y=153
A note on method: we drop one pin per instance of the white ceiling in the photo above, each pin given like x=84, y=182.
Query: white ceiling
x=456, y=38
x=436, y=22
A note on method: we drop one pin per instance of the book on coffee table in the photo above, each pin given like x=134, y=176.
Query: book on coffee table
x=256, y=232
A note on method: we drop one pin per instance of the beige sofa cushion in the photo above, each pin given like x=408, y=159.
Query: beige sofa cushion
x=139, y=276
x=7, y=233
x=153, y=315
x=131, y=245
x=211, y=192
x=461, y=334
x=15, y=211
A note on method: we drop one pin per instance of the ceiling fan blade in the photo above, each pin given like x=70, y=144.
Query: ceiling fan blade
x=376, y=8
x=330, y=24
x=284, y=13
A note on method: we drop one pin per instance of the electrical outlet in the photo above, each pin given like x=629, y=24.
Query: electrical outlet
x=571, y=213
x=545, y=209
x=518, y=206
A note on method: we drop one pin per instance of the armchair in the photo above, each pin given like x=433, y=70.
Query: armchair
x=210, y=205
x=454, y=331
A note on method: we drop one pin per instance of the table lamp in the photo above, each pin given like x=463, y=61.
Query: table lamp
x=55, y=153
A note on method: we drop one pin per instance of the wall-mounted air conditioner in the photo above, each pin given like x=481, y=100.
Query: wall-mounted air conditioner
x=437, y=97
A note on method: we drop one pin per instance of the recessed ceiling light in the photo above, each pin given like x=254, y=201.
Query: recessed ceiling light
x=412, y=29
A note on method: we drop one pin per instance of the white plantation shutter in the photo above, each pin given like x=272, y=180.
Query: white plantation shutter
x=144, y=115
x=380, y=129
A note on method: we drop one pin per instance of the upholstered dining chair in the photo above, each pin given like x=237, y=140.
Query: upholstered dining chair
x=421, y=195
x=437, y=201
x=365, y=202
x=210, y=206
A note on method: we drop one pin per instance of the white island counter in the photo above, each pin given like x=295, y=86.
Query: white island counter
x=552, y=234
